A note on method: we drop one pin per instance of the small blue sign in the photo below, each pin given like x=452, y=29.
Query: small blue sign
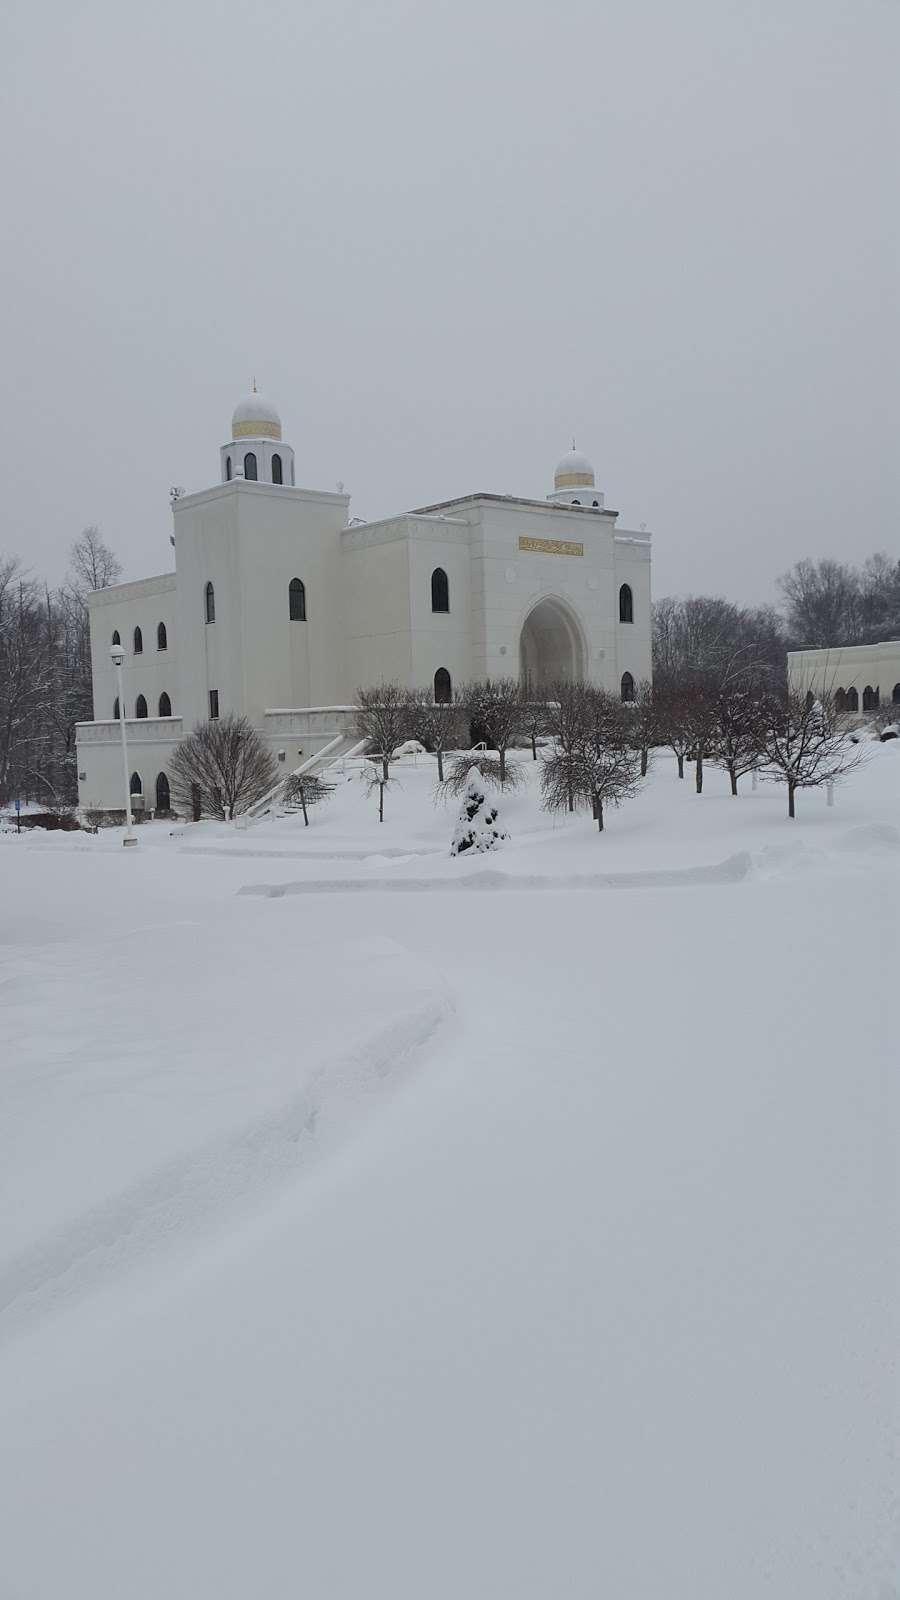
x=18, y=805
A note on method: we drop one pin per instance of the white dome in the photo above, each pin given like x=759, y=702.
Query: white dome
x=574, y=472
x=255, y=418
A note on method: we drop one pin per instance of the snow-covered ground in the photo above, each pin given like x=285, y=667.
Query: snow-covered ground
x=377, y=1223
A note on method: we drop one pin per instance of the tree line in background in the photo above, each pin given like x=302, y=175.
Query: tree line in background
x=706, y=651
x=45, y=672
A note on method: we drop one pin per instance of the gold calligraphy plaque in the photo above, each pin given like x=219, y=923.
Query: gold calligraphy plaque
x=551, y=547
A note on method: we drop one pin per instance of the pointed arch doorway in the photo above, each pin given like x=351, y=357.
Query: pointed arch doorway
x=551, y=645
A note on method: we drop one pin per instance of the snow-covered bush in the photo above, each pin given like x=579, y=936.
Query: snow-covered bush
x=478, y=827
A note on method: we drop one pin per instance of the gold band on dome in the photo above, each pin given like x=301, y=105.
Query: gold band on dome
x=574, y=480
x=256, y=430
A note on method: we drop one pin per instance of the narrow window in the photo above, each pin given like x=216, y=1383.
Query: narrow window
x=227, y=469
x=138, y=642
x=213, y=704
x=895, y=697
x=443, y=689
x=162, y=638
x=140, y=706
x=627, y=686
x=135, y=785
x=840, y=700
x=296, y=601
x=116, y=709
x=870, y=698
x=440, y=590
x=210, y=603
x=165, y=705
x=163, y=801
x=115, y=638
x=250, y=467
x=810, y=699
x=626, y=603
x=292, y=474
x=852, y=700
x=277, y=476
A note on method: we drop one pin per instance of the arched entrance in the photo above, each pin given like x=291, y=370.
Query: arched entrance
x=551, y=647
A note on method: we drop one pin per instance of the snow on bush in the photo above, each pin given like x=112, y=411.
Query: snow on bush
x=478, y=827
x=410, y=747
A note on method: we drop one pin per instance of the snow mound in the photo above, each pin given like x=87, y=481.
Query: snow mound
x=871, y=838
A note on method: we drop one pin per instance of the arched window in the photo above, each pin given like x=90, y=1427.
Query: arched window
x=626, y=603
x=840, y=701
x=895, y=697
x=852, y=700
x=576, y=502
x=163, y=800
x=138, y=642
x=210, y=603
x=140, y=706
x=595, y=504
x=116, y=709
x=627, y=686
x=115, y=638
x=162, y=638
x=165, y=705
x=440, y=590
x=227, y=469
x=250, y=467
x=443, y=688
x=810, y=699
x=277, y=475
x=296, y=601
x=135, y=784
x=870, y=698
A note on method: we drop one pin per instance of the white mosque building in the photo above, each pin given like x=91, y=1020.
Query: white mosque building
x=281, y=606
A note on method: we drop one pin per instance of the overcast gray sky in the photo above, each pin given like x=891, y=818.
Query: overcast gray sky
x=445, y=237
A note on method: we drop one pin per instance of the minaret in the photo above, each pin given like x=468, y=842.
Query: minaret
x=573, y=482
x=256, y=452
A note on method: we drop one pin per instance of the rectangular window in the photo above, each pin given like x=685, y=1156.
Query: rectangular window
x=213, y=704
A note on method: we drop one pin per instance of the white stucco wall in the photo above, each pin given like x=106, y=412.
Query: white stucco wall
x=849, y=667
x=123, y=608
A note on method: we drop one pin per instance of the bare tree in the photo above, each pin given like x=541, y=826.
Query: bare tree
x=489, y=768
x=672, y=704
x=494, y=707
x=644, y=722
x=438, y=724
x=600, y=769
x=535, y=718
x=305, y=789
x=225, y=764
x=740, y=728
x=384, y=717
x=803, y=745
x=568, y=719
x=92, y=564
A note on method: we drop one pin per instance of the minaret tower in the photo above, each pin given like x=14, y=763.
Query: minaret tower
x=573, y=482
x=256, y=452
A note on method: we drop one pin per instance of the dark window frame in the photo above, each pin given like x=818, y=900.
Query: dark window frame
x=209, y=602
x=137, y=642
x=213, y=705
x=297, y=600
x=440, y=592
x=626, y=603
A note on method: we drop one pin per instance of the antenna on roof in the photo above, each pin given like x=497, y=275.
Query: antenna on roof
x=253, y=384
x=573, y=441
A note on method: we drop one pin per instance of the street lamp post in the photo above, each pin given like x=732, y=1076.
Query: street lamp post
x=118, y=656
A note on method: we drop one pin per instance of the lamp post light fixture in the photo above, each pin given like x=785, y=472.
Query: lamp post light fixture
x=117, y=655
